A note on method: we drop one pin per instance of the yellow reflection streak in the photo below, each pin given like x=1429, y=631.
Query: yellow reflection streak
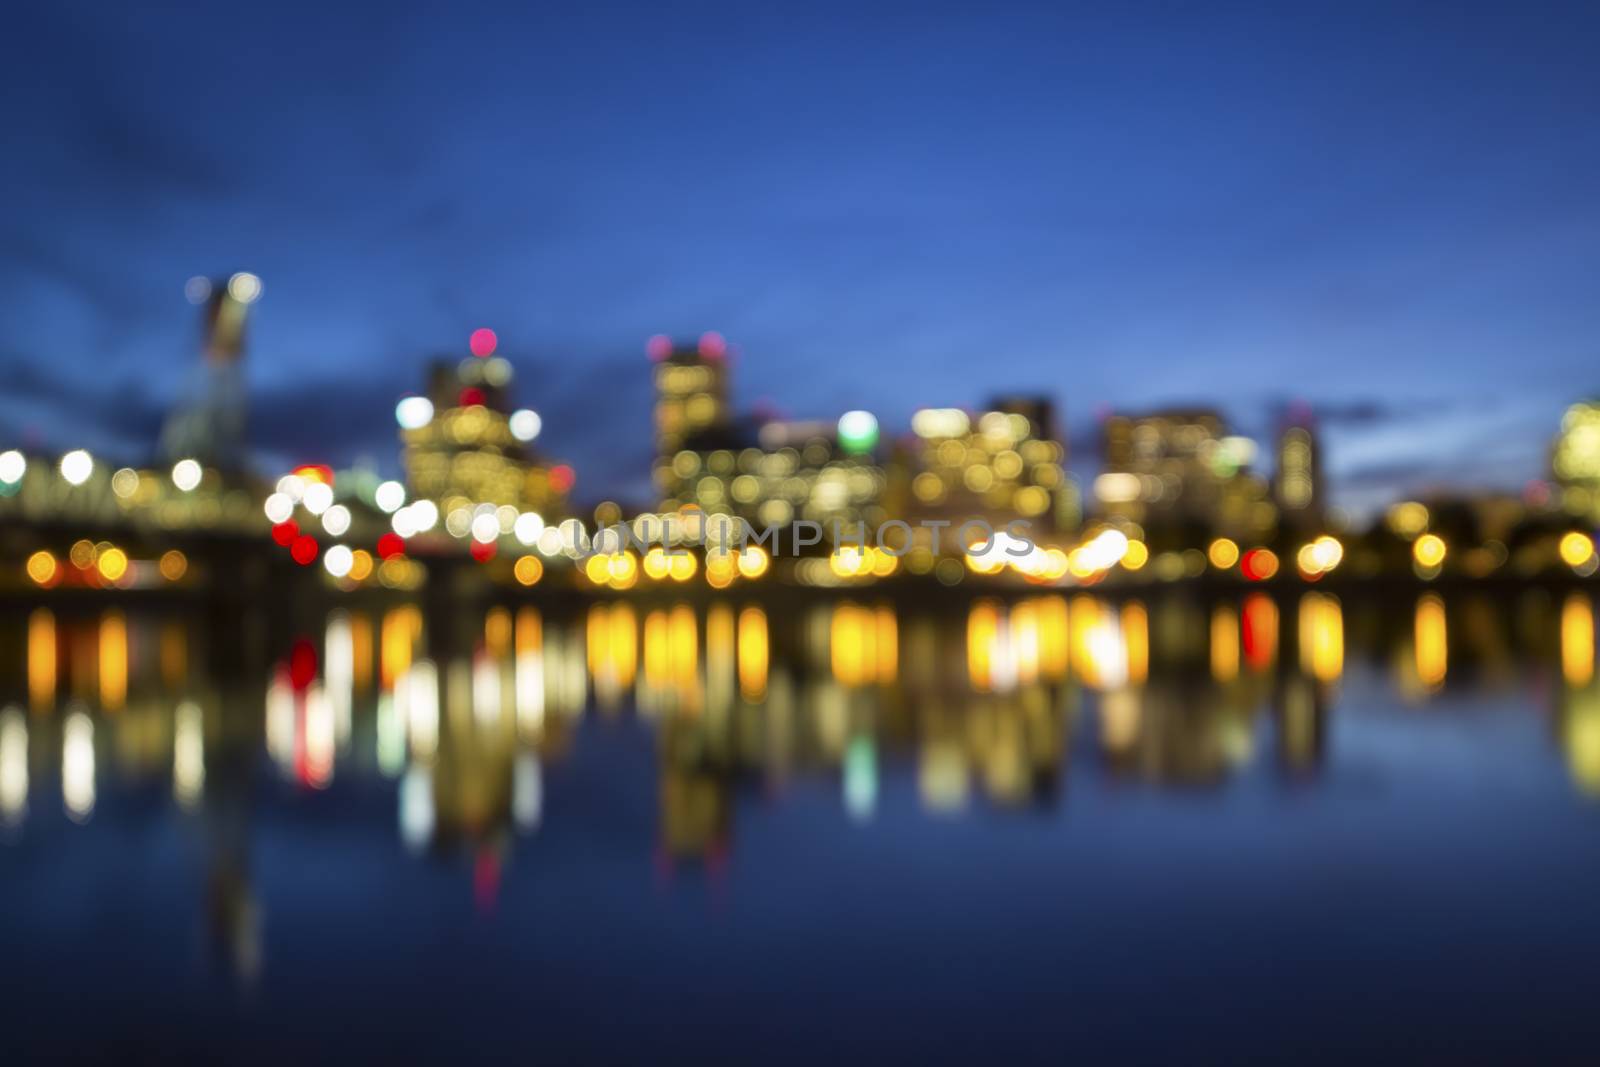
x=1136, y=639
x=1321, y=637
x=754, y=653
x=1224, y=644
x=1577, y=640
x=983, y=623
x=42, y=659
x=113, y=660
x=1432, y=641
x=1054, y=650
x=887, y=638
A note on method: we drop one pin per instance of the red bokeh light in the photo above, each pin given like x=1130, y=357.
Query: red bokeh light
x=658, y=347
x=302, y=664
x=562, y=477
x=391, y=545
x=483, y=551
x=304, y=550
x=712, y=345
x=483, y=342
x=1253, y=565
x=471, y=395
x=285, y=532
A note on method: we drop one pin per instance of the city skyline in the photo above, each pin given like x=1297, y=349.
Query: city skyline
x=1384, y=219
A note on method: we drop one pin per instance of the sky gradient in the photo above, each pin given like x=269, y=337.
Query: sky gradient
x=1390, y=211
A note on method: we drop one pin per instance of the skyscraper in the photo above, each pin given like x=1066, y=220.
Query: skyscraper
x=1297, y=482
x=1181, y=475
x=208, y=424
x=466, y=451
x=691, y=400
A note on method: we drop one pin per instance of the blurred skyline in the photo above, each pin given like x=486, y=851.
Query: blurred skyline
x=1388, y=214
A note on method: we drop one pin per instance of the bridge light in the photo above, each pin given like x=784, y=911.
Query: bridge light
x=76, y=466
x=186, y=475
x=13, y=465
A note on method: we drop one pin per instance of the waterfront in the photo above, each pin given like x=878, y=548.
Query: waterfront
x=998, y=827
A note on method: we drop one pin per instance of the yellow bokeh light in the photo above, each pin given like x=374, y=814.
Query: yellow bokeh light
x=753, y=561
x=1576, y=548
x=1223, y=553
x=683, y=566
x=1428, y=550
x=82, y=554
x=174, y=565
x=1136, y=556
x=113, y=564
x=360, y=565
x=528, y=570
x=42, y=567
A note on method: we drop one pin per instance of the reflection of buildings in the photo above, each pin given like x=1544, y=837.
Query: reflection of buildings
x=976, y=706
x=1181, y=476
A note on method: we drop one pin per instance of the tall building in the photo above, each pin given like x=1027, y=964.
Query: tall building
x=1297, y=481
x=1005, y=464
x=1182, y=476
x=691, y=400
x=208, y=425
x=768, y=472
x=1575, y=460
x=465, y=449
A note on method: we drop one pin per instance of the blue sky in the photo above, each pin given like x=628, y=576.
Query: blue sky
x=1387, y=210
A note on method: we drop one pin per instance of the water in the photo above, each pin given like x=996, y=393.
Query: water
x=1200, y=826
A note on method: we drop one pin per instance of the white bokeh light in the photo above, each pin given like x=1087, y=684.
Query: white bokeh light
x=76, y=466
x=389, y=496
x=186, y=474
x=525, y=424
x=336, y=520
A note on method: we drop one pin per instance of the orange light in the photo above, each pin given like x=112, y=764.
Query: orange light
x=315, y=472
x=528, y=570
x=174, y=565
x=1259, y=564
x=42, y=568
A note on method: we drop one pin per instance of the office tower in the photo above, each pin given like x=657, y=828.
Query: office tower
x=1182, y=476
x=208, y=424
x=691, y=399
x=1298, y=481
x=1002, y=465
x=463, y=448
x=1575, y=460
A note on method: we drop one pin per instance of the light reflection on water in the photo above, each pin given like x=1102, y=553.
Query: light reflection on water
x=460, y=725
x=987, y=698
